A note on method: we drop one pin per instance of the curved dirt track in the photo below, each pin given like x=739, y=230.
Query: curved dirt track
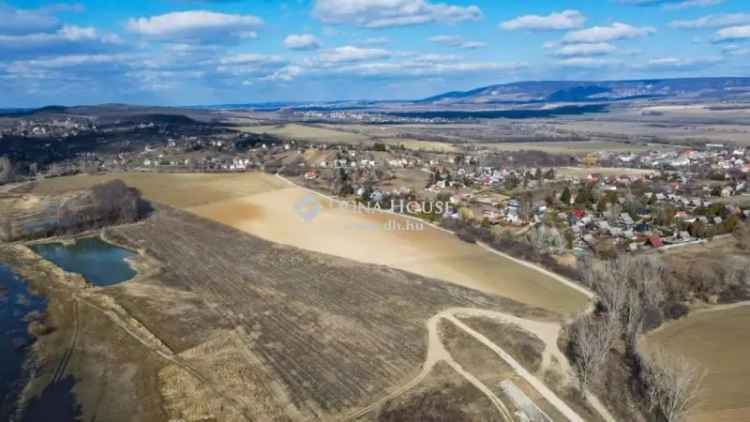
x=548, y=332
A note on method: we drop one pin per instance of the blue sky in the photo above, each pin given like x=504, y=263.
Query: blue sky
x=188, y=52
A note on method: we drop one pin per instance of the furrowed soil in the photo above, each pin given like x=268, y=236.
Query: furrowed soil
x=715, y=339
x=265, y=331
x=265, y=206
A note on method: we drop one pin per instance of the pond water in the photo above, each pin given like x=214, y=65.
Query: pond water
x=15, y=303
x=17, y=306
x=99, y=262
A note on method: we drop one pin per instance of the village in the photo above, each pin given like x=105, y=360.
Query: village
x=605, y=203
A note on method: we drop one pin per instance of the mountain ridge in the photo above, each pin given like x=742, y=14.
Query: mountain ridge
x=611, y=90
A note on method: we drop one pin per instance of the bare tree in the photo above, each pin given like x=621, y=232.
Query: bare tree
x=742, y=235
x=613, y=292
x=6, y=170
x=634, y=317
x=672, y=384
x=592, y=341
x=585, y=267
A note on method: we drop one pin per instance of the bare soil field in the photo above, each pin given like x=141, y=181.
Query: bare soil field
x=256, y=203
x=278, y=332
x=176, y=189
x=716, y=340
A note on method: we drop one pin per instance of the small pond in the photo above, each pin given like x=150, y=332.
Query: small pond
x=100, y=263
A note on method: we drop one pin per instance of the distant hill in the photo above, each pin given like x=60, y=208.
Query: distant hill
x=577, y=91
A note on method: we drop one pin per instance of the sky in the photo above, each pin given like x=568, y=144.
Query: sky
x=202, y=52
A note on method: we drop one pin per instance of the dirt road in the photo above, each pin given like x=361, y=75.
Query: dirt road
x=548, y=332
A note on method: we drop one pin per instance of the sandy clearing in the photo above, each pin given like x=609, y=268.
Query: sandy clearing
x=704, y=337
x=371, y=238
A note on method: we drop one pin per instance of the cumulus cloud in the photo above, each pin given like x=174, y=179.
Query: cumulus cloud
x=390, y=13
x=456, y=41
x=593, y=49
x=733, y=33
x=568, y=19
x=350, y=53
x=614, y=32
x=196, y=26
x=713, y=21
x=301, y=42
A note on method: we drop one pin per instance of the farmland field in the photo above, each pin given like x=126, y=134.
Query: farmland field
x=569, y=147
x=604, y=171
x=264, y=206
x=263, y=331
x=717, y=341
x=307, y=133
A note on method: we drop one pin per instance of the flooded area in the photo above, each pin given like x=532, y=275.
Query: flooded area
x=99, y=262
x=18, y=307
x=704, y=337
x=15, y=304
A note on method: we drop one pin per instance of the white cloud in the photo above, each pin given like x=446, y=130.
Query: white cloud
x=676, y=64
x=196, y=26
x=352, y=54
x=614, y=32
x=456, y=41
x=736, y=50
x=389, y=13
x=672, y=4
x=568, y=19
x=285, y=74
x=692, y=3
x=587, y=62
x=713, y=21
x=733, y=33
x=21, y=21
x=68, y=39
x=301, y=42
x=420, y=68
x=594, y=49
x=373, y=41
x=471, y=45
